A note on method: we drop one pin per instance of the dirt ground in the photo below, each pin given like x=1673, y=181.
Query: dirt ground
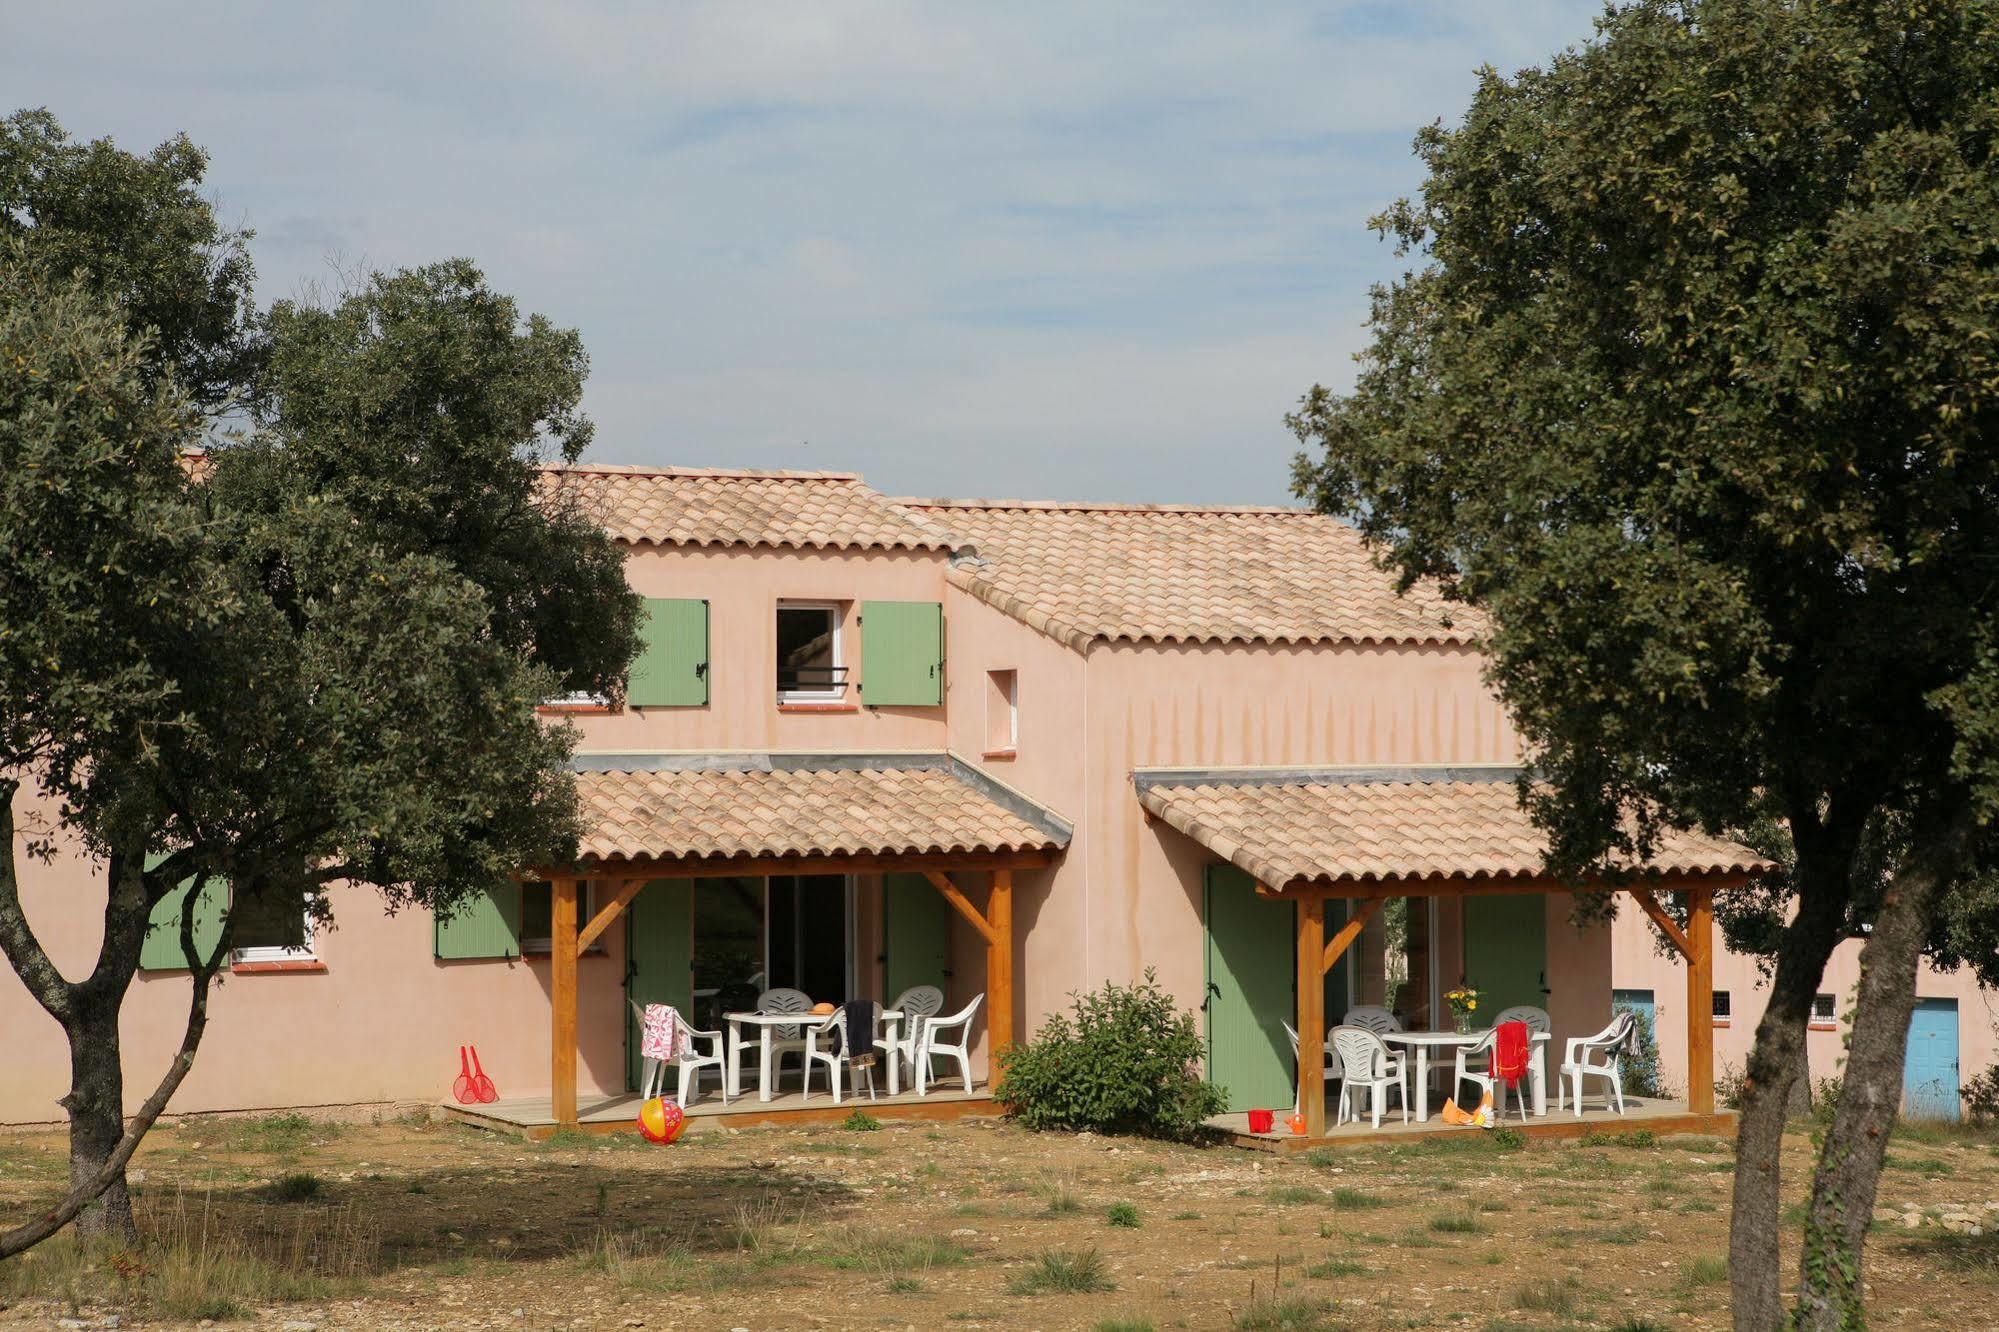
x=283, y=1222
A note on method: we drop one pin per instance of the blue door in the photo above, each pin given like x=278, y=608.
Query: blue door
x=1638, y=1001
x=1929, y=1079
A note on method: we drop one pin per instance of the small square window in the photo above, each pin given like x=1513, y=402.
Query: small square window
x=538, y=916
x=1721, y=1006
x=1002, y=712
x=1825, y=1011
x=271, y=928
x=809, y=659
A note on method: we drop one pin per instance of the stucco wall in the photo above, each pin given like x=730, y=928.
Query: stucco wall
x=1638, y=965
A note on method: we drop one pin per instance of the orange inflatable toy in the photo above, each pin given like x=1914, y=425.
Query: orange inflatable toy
x=661, y=1121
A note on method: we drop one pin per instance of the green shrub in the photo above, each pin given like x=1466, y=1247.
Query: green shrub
x=1123, y=1215
x=1059, y=1273
x=297, y=1188
x=1128, y=1061
x=1981, y=1097
x=1641, y=1071
x=860, y=1122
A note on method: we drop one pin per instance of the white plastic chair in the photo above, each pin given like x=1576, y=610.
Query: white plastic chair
x=917, y=1004
x=1329, y=1062
x=1365, y=1064
x=1577, y=1062
x=652, y=1072
x=834, y=1060
x=960, y=1050
x=1537, y=1019
x=1464, y=1073
x=1540, y=1023
x=1375, y=1018
x=790, y=1037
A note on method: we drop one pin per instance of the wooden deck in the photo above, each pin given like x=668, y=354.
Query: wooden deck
x=534, y=1116
x=1652, y=1115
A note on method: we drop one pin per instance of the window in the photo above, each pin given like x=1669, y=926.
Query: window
x=581, y=700
x=271, y=928
x=1002, y=712
x=1721, y=1013
x=538, y=916
x=1825, y=1012
x=809, y=664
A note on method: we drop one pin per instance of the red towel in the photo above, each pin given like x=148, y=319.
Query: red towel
x=1509, y=1053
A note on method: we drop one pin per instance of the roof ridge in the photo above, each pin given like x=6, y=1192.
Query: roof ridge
x=1098, y=506
x=745, y=473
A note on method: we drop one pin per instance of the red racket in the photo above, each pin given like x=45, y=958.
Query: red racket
x=482, y=1086
x=461, y=1086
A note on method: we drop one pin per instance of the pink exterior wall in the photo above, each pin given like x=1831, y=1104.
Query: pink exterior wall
x=1637, y=965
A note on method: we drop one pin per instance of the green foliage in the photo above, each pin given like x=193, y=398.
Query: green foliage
x=1299, y=1313
x=1061, y=1272
x=1641, y=1071
x=1123, y=1215
x=1551, y=1295
x=300, y=1187
x=1981, y=1097
x=860, y=1121
x=1128, y=1061
x=137, y=231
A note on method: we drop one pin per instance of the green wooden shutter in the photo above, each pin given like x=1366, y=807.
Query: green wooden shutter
x=659, y=959
x=1252, y=991
x=486, y=925
x=162, y=951
x=671, y=670
x=916, y=934
x=902, y=654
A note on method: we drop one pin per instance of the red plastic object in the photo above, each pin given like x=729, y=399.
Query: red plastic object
x=482, y=1086
x=661, y=1121
x=461, y=1086
x=1261, y=1120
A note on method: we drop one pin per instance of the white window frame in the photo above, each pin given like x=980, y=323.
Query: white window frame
x=830, y=693
x=265, y=953
x=1830, y=1017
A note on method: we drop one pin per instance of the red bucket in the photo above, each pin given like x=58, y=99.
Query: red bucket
x=1260, y=1121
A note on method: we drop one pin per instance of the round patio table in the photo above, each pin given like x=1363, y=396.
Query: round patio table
x=1420, y=1043
x=766, y=1023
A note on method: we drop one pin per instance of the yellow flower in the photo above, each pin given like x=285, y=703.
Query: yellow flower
x=1473, y=1005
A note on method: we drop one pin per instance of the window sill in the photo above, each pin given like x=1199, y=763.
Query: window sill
x=1001, y=754
x=828, y=705
x=542, y=952
x=1721, y=1022
x=576, y=709
x=1822, y=1026
x=300, y=964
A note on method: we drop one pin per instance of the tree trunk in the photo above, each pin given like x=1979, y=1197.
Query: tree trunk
x=1776, y=1062
x=96, y=1106
x=1831, y=1291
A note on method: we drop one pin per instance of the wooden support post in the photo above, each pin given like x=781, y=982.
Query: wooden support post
x=999, y=970
x=1312, y=1014
x=963, y=904
x=608, y=914
x=1343, y=939
x=1667, y=926
x=1700, y=1000
x=562, y=1005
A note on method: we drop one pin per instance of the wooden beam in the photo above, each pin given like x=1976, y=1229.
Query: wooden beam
x=1667, y=925
x=943, y=884
x=562, y=1005
x=753, y=867
x=1311, y=926
x=1348, y=932
x=1700, y=1001
x=609, y=912
x=999, y=972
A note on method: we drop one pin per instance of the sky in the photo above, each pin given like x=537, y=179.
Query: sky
x=1074, y=251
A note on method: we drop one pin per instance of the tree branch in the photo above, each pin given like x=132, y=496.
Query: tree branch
x=17, y=940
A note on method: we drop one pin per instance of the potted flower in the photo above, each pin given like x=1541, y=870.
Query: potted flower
x=1464, y=1003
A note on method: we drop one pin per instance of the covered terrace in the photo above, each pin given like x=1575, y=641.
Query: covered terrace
x=1358, y=838
x=662, y=829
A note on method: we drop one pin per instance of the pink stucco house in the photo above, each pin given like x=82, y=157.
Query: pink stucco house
x=1011, y=749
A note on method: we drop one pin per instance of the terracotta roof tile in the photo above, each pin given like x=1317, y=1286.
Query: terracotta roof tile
x=1084, y=573
x=1327, y=830
x=691, y=506
x=845, y=807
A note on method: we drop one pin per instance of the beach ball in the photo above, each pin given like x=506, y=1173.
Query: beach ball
x=661, y=1121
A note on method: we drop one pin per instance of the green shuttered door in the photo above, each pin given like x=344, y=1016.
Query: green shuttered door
x=916, y=934
x=902, y=654
x=1506, y=952
x=671, y=670
x=162, y=951
x=488, y=925
x=660, y=965
x=1250, y=992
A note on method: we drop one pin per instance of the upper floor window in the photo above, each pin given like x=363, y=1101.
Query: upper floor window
x=272, y=928
x=810, y=667
x=1721, y=1006
x=1825, y=1011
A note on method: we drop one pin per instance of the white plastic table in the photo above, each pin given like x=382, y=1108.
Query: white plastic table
x=1422, y=1042
x=766, y=1023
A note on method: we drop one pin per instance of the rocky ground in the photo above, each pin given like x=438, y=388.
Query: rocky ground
x=283, y=1222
